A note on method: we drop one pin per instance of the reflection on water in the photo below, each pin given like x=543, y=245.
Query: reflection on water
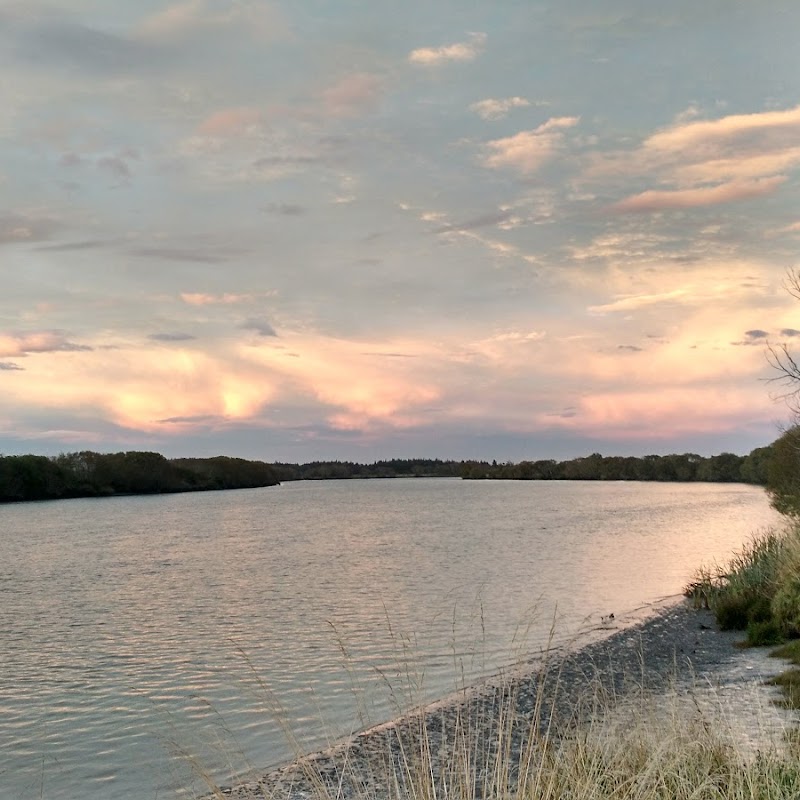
x=224, y=625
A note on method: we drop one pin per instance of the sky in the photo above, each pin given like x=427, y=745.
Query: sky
x=326, y=229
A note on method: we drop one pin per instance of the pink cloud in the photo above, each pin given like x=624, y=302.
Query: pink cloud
x=710, y=134
x=736, y=150
x=192, y=18
x=635, y=302
x=793, y=228
x=230, y=122
x=360, y=390
x=140, y=389
x=21, y=344
x=739, y=167
x=694, y=198
x=200, y=299
x=527, y=151
x=663, y=413
x=352, y=94
x=492, y=109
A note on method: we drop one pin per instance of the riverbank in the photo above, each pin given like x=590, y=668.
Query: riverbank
x=482, y=734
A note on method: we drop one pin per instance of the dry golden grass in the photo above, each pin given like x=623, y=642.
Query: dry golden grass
x=630, y=747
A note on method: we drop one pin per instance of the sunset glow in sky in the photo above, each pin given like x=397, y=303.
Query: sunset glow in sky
x=313, y=229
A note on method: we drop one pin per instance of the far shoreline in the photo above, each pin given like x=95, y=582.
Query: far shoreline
x=91, y=474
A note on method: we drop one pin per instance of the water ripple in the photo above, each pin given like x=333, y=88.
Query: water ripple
x=143, y=634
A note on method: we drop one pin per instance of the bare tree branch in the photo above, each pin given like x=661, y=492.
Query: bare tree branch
x=782, y=361
x=792, y=282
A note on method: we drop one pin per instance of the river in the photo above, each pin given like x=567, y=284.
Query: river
x=149, y=640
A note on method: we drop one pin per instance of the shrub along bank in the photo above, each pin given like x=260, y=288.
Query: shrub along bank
x=89, y=474
x=759, y=590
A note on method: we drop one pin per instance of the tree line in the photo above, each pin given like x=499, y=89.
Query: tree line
x=686, y=467
x=392, y=468
x=726, y=467
x=90, y=474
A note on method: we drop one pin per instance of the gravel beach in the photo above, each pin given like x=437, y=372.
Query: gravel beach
x=676, y=648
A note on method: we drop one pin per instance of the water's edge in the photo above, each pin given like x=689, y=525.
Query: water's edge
x=655, y=633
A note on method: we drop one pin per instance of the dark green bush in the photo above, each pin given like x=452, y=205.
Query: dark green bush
x=732, y=611
x=760, y=610
x=764, y=633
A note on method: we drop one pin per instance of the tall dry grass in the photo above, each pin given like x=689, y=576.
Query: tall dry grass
x=498, y=746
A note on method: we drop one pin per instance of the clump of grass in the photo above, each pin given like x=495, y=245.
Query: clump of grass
x=788, y=681
x=758, y=591
x=763, y=634
x=790, y=651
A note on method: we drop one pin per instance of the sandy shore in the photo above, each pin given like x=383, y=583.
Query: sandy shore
x=667, y=647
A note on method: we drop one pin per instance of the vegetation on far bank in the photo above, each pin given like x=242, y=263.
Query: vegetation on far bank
x=686, y=467
x=90, y=474
x=726, y=467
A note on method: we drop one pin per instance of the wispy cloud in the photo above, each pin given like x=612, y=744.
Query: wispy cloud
x=285, y=209
x=732, y=192
x=740, y=131
x=792, y=228
x=171, y=337
x=49, y=341
x=202, y=299
x=635, y=302
x=632, y=415
x=197, y=419
x=448, y=53
x=527, y=151
x=195, y=18
x=16, y=228
x=260, y=326
x=231, y=122
x=490, y=219
x=353, y=94
x=708, y=162
x=189, y=255
x=69, y=247
x=10, y=366
x=492, y=109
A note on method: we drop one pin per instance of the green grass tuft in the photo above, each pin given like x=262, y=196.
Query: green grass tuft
x=763, y=634
x=790, y=651
x=789, y=683
x=758, y=591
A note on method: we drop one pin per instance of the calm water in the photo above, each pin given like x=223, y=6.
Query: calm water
x=140, y=634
